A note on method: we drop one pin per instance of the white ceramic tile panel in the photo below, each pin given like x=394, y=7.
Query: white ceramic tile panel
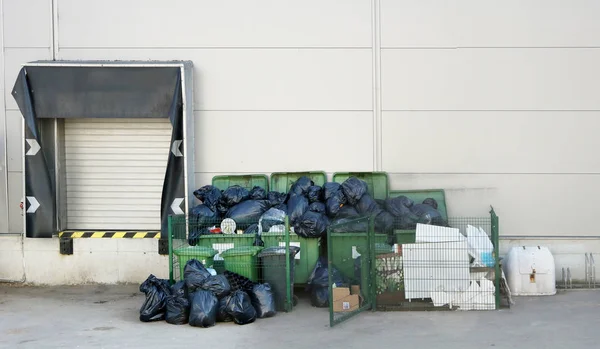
x=283, y=141
x=497, y=23
x=490, y=142
x=277, y=79
x=15, y=194
x=193, y=23
x=14, y=143
x=13, y=60
x=27, y=23
x=527, y=204
x=491, y=79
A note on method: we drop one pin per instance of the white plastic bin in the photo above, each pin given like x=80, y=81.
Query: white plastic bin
x=530, y=271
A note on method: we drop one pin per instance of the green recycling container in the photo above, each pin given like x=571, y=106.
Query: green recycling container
x=224, y=242
x=242, y=261
x=305, y=260
x=345, y=249
x=203, y=254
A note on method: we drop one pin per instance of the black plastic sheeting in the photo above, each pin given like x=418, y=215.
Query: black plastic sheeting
x=47, y=92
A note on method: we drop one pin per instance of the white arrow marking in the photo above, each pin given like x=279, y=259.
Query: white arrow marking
x=175, y=206
x=34, y=147
x=175, y=148
x=33, y=204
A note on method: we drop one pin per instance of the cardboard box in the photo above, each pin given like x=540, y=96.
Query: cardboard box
x=340, y=292
x=346, y=299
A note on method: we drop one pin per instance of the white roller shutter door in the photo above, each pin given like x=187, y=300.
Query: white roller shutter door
x=114, y=172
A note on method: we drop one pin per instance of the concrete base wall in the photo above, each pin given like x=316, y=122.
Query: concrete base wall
x=111, y=261
x=104, y=261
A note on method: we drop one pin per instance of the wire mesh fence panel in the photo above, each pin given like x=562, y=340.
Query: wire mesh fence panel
x=450, y=266
x=350, y=249
x=237, y=250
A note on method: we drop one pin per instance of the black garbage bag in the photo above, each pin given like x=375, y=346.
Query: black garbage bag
x=366, y=206
x=234, y=195
x=423, y=209
x=178, y=310
x=202, y=215
x=222, y=315
x=194, y=274
x=311, y=225
x=209, y=195
x=399, y=206
x=318, y=283
x=270, y=218
x=263, y=300
x=314, y=194
x=384, y=222
x=240, y=308
x=203, y=312
x=431, y=202
x=258, y=193
x=252, y=229
x=248, y=211
x=319, y=297
x=217, y=284
x=331, y=189
x=318, y=207
x=195, y=233
x=300, y=187
x=354, y=189
x=297, y=206
x=276, y=198
x=282, y=207
x=349, y=225
x=154, y=306
x=179, y=289
x=333, y=205
x=347, y=211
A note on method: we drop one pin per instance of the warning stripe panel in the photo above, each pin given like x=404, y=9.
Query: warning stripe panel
x=110, y=234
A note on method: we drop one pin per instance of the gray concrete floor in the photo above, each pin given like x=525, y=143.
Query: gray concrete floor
x=107, y=317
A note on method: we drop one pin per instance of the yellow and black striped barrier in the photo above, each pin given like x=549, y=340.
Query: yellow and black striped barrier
x=110, y=234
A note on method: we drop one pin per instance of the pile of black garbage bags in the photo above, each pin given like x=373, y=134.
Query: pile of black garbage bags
x=311, y=209
x=203, y=299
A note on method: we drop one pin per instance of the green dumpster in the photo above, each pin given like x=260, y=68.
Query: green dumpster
x=242, y=261
x=203, y=254
x=305, y=260
x=345, y=249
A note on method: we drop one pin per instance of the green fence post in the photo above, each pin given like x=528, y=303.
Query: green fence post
x=372, y=265
x=170, y=237
x=329, y=278
x=289, y=304
x=496, y=240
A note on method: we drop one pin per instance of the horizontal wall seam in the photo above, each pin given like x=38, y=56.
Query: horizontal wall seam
x=63, y=48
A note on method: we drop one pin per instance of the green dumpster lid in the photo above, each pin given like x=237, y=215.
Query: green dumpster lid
x=196, y=251
x=380, y=248
x=244, y=181
x=283, y=181
x=278, y=251
x=242, y=251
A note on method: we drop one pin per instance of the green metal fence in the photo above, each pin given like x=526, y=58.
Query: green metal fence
x=456, y=269
x=245, y=259
x=350, y=284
